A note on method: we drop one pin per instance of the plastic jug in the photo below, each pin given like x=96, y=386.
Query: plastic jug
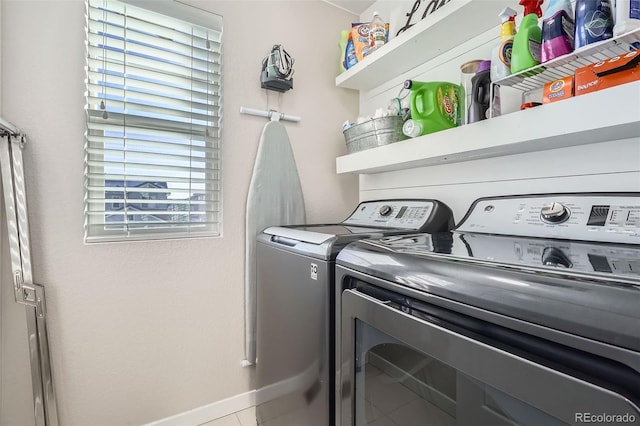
x=434, y=105
x=480, y=89
x=594, y=22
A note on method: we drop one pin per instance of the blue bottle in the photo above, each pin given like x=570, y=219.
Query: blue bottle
x=594, y=22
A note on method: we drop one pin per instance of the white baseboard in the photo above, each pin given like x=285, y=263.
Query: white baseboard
x=209, y=412
x=240, y=402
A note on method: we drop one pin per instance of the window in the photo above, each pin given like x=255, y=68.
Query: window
x=152, y=152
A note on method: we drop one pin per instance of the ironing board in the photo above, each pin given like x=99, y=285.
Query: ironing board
x=275, y=198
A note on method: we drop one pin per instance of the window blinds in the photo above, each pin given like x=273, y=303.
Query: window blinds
x=152, y=153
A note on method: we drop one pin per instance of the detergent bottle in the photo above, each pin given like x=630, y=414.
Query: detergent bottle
x=434, y=106
x=594, y=22
x=557, y=30
x=627, y=16
x=481, y=86
x=501, y=54
x=526, y=43
x=342, y=45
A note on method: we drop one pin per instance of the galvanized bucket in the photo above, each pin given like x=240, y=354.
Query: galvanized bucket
x=373, y=133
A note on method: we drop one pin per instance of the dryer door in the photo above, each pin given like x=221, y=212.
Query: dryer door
x=399, y=364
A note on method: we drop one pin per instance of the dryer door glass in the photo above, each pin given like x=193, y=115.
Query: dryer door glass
x=396, y=384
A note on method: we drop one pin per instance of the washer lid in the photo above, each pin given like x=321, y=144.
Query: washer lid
x=299, y=235
x=319, y=234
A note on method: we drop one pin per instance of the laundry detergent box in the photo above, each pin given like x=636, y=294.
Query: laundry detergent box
x=608, y=73
x=557, y=90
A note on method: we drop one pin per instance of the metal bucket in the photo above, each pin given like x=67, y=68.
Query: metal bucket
x=373, y=133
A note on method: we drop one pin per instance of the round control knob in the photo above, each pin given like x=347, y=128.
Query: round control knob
x=554, y=213
x=385, y=210
x=552, y=256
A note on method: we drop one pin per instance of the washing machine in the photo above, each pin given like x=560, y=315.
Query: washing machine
x=295, y=371
x=527, y=314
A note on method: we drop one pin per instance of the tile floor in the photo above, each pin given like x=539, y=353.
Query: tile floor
x=245, y=417
x=388, y=403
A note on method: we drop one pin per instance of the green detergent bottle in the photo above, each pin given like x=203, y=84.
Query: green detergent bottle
x=526, y=43
x=434, y=106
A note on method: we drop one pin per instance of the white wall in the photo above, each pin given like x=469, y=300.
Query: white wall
x=141, y=331
x=610, y=166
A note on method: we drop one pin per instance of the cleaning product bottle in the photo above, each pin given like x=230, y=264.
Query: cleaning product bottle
x=481, y=86
x=557, y=30
x=627, y=16
x=467, y=72
x=594, y=22
x=526, y=43
x=501, y=54
x=433, y=105
x=342, y=46
x=377, y=31
x=350, y=53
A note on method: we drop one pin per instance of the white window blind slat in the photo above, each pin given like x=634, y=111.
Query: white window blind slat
x=213, y=178
x=177, y=158
x=200, y=148
x=111, y=71
x=152, y=151
x=185, y=43
x=130, y=106
x=152, y=94
x=157, y=136
x=164, y=24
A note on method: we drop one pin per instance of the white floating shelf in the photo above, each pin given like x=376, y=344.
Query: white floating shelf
x=456, y=22
x=596, y=117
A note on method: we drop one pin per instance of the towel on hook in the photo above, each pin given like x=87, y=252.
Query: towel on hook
x=275, y=198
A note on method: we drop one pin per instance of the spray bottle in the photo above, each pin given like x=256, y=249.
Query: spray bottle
x=557, y=30
x=526, y=43
x=501, y=54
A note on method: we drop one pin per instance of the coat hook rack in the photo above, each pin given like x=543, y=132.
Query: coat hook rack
x=271, y=114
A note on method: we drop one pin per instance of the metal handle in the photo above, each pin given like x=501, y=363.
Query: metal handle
x=284, y=241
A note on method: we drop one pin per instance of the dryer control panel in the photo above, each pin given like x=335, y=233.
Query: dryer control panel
x=419, y=215
x=588, y=217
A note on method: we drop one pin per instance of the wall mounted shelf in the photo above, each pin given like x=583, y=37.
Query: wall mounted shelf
x=456, y=22
x=596, y=117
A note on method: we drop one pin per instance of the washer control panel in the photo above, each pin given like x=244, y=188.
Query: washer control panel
x=604, y=218
x=403, y=214
x=577, y=256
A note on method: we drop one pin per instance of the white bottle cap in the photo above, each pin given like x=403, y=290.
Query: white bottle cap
x=412, y=128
